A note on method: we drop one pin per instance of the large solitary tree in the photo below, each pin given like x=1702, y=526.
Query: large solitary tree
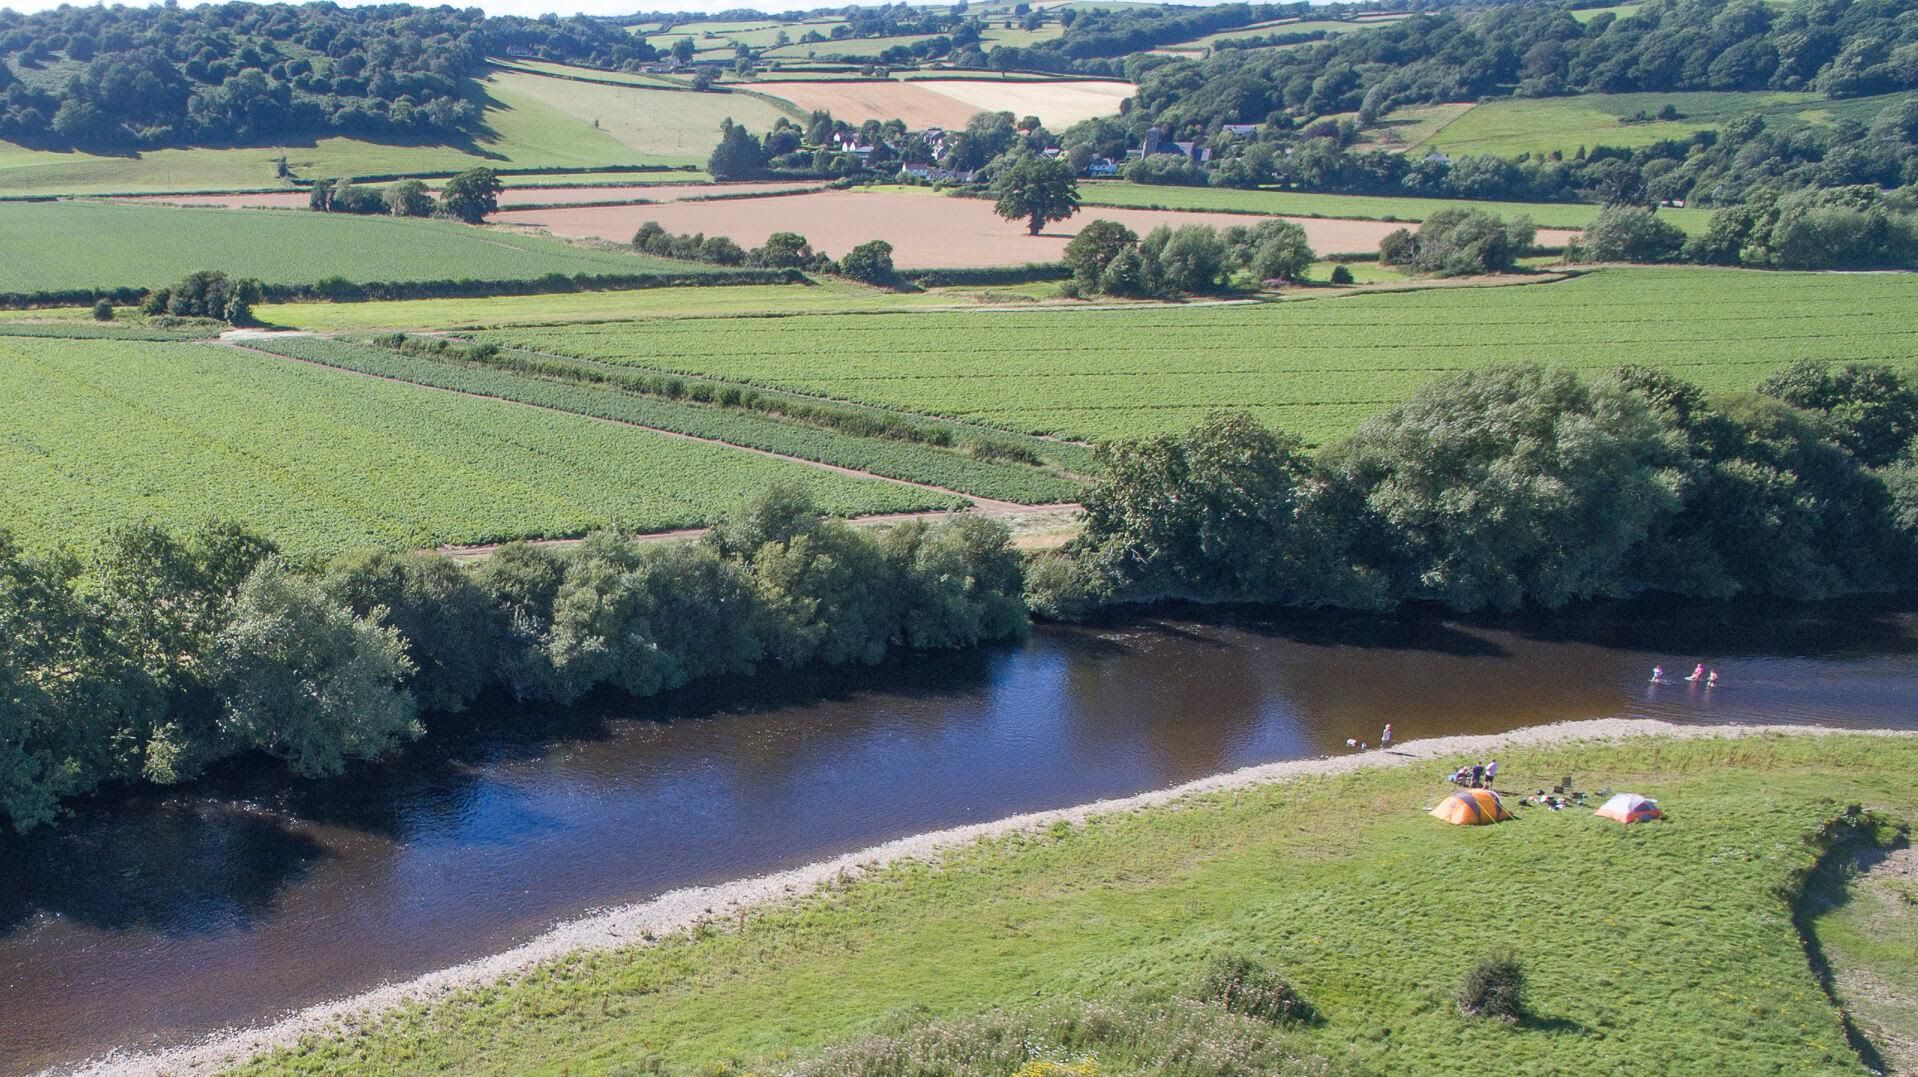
x=471, y=195
x=1038, y=190
x=738, y=155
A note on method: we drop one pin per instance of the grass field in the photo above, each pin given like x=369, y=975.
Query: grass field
x=530, y=121
x=93, y=434
x=1316, y=368
x=951, y=468
x=1622, y=11
x=1664, y=948
x=1510, y=126
x=1359, y=206
x=54, y=245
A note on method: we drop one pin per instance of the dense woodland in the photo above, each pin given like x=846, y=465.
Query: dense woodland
x=161, y=654
x=149, y=76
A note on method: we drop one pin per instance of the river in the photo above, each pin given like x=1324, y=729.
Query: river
x=154, y=919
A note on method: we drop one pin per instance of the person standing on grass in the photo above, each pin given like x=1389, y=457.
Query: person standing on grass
x=1478, y=774
x=1491, y=773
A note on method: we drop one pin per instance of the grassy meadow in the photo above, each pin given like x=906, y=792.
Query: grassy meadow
x=1359, y=206
x=1511, y=126
x=583, y=388
x=57, y=245
x=1666, y=947
x=94, y=433
x=530, y=120
x=1316, y=368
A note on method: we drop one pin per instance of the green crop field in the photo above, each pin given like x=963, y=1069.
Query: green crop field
x=95, y=433
x=1363, y=207
x=949, y=468
x=1668, y=947
x=530, y=121
x=845, y=46
x=1510, y=126
x=55, y=245
x=1316, y=367
x=650, y=124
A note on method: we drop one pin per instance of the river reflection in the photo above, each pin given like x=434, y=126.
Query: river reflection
x=160, y=918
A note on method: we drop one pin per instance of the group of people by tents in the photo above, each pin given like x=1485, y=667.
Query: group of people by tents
x=1478, y=804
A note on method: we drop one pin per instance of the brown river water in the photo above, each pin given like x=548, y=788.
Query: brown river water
x=156, y=919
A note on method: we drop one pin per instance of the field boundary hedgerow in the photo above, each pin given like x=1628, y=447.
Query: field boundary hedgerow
x=1017, y=488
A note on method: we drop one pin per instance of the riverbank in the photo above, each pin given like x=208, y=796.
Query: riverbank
x=580, y=990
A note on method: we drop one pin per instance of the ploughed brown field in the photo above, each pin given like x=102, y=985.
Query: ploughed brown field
x=926, y=231
x=511, y=196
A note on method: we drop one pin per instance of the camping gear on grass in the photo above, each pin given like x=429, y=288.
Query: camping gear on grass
x=1472, y=807
x=1630, y=808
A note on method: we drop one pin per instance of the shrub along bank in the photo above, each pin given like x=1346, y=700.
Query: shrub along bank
x=1522, y=485
x=165, y=653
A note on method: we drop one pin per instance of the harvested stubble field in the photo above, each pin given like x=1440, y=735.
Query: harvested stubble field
x=59, y=245
x=926, y=230
x=95, y=433
x=951, y=102
x=1315, y=368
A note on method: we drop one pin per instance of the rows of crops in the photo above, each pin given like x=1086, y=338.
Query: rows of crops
x=96, y=433
x=61, y=245
x=1316, y=368
x=880, y=456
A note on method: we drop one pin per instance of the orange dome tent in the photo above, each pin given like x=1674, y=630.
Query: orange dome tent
x=1629, y=808
x=1472, y=807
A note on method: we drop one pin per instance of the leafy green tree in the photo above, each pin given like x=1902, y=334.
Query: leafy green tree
x=683, y=51
x=1094, y=248
x=958, y=582
x=828, y=594
x=440, y=612
x=1192, y=258
x=301, y=678
x=1272, y=249
x=1460, y=242
x=1217, y=512
x=521, y=582
x=1037, y=190
x=472, y=195
x=207, y=293
x=738, y=154
x=60, y=690
x=1868, y=408
x=408, y=198
x=869, y=262
x=786, y=250
x=1628, y=234
x=1503, y=486
x=164, y=599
